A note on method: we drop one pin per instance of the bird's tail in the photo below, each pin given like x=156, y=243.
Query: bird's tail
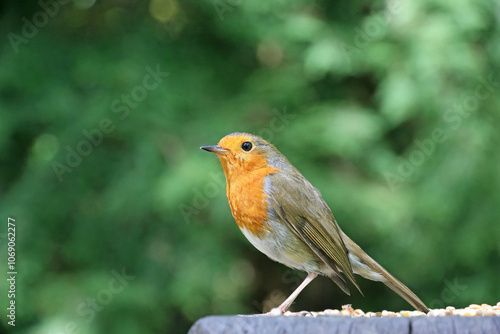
x=364, y=265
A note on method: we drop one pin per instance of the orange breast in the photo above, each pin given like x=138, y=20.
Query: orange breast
x=247, y=199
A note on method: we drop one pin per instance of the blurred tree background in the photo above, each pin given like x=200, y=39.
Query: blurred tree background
x=388, y=107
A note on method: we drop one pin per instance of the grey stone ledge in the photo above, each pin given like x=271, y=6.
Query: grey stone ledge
x=322, y=325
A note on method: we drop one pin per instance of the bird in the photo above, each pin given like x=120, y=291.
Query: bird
x=284, y=216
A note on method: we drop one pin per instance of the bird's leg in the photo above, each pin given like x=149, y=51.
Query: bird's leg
x=286, y=304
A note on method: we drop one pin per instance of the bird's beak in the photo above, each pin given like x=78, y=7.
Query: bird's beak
x=217, y=149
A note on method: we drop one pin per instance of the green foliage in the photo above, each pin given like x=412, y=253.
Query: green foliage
x=389, y=108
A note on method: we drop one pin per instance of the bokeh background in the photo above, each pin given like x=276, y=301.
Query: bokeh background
x=391, y=108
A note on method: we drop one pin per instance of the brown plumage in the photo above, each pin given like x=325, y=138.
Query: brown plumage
x=286, y=218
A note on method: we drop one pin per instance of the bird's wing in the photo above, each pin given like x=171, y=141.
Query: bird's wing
x=301, y=207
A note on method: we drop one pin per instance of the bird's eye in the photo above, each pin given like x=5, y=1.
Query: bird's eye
x=246, y=146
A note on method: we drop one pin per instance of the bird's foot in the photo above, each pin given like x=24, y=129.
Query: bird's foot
x=277, y=311
x=303, y=314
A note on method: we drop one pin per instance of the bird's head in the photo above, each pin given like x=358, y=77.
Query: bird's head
x=244, y=152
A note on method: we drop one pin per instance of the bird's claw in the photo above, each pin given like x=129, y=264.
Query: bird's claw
x=278, y=312
x=305, y=314
x=275, y=312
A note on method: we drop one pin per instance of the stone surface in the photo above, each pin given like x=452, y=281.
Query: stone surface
x=320, y=325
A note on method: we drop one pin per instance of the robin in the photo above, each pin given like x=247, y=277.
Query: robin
x=285, y=217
